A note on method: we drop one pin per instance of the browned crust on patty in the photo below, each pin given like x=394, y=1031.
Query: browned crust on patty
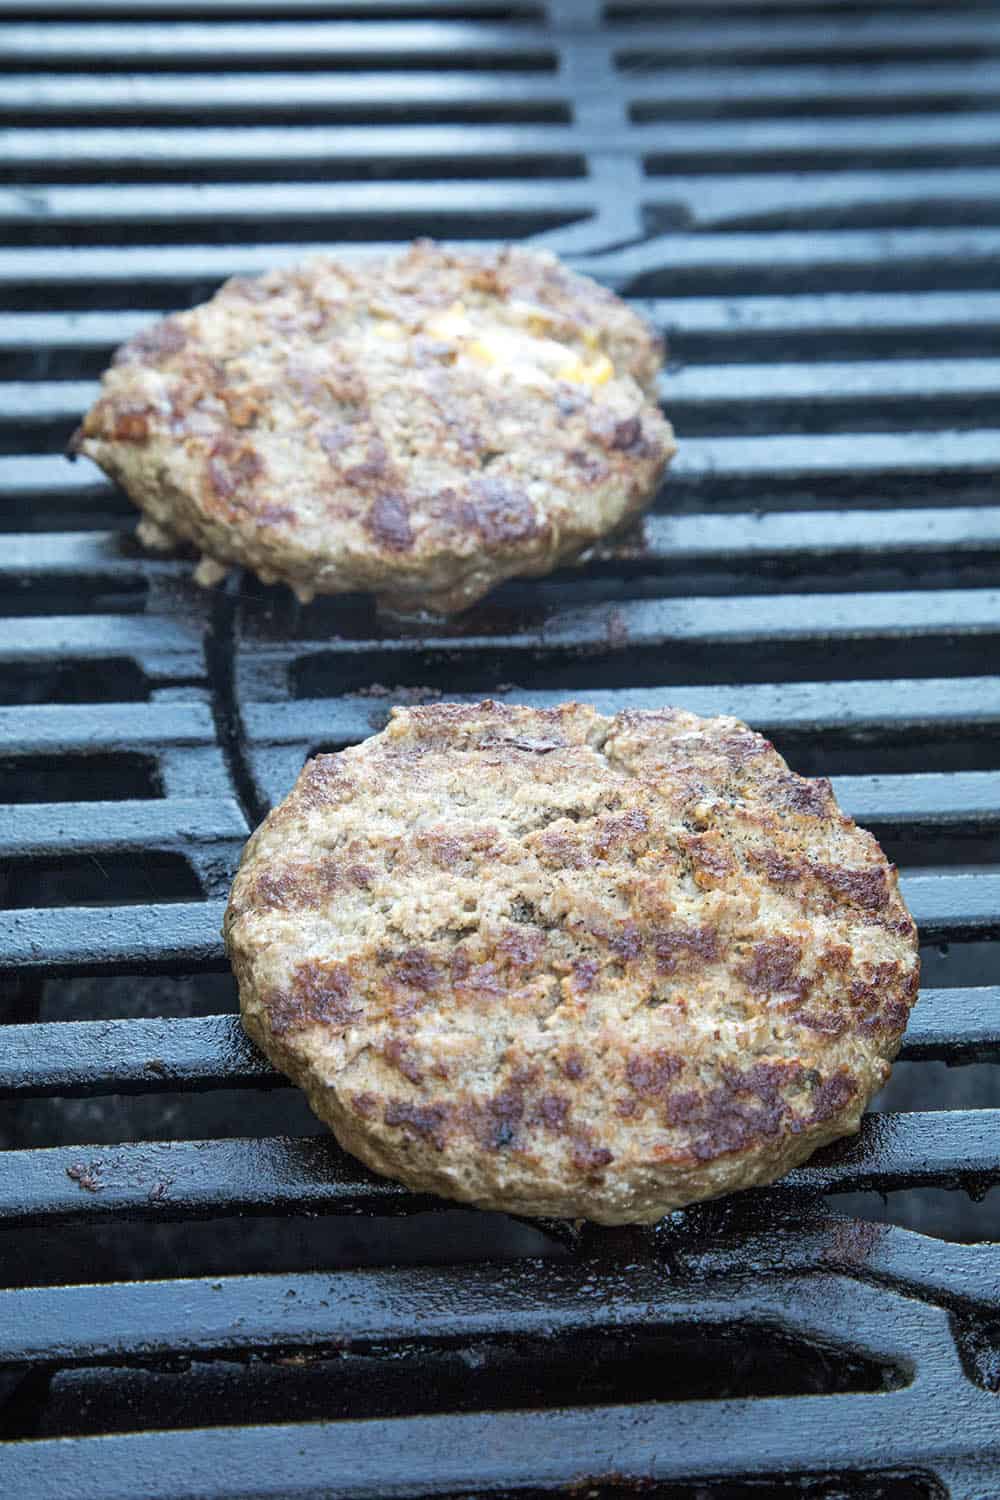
x=406, y=425
x=555, y=963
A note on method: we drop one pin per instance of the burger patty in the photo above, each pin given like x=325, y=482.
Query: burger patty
x=550, y=962
x=421, y=426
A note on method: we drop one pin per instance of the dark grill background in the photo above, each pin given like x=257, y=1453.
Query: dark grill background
x=806, y=197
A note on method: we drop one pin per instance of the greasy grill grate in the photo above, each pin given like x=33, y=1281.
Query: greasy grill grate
x=804, y=197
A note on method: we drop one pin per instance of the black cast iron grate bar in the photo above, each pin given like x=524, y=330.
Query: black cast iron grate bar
x=718, y=145
x=826, y=381
x=878, y=534
x=386, y=1307
x=146, y=825
x=666, y=93
x=684, y=391
x=376, y=148
x=227, y=43
x=267, y=1175
x=964, y=532
x=865, y=708
x=802, y=324
x=171, y=203
x=501, y=11
x=44, y=477
x=529, y=1452
x=886, y=1254
x=713, y=38
x=768, y=198
x=643, y=11
x=82, y=1058
x=882, y=35
x=126, y=1056
x=153, y=726
x=173, y=744
x=360, y=210
x=706, y=465
x=281, y=735
x=349, y=9
x=184, y=934
x=163, y=649
x=896, y=259
x=798, y=323
x=62, y=1324
x=929, y=800
x=176, y=739
x=545, y=1450
x=359, y=93
x=837, y=90
x=721, y=620
x=176, y=936
x=863, y=457
x=809, y=140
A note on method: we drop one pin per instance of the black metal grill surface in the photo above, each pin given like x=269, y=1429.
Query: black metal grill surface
x=805, y=197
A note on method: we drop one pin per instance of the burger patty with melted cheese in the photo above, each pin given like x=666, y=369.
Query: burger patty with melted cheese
x=421, y=426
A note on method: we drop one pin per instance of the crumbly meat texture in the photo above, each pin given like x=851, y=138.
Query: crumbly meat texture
x=559, y=964
x=420, y=426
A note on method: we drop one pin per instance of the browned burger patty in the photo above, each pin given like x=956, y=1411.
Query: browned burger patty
x=422, y=426
x=550, y=962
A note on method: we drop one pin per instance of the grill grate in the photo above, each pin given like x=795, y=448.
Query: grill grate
x=802, y=195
